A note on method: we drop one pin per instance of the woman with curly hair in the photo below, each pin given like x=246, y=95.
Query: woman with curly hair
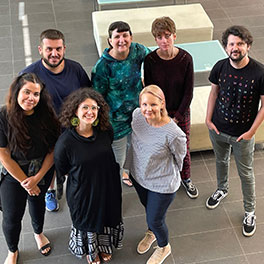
x=28, y=133
x=93, y=193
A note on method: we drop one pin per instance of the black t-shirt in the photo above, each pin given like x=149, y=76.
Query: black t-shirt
x=238, y=99
x=38, y=149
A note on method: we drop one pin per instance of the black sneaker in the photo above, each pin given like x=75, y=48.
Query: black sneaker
x=214, y=200
x=249, y=224
x=190, y=188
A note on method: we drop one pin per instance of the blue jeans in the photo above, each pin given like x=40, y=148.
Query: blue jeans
x=156, y=206
x=120, y=147
x=244, y=153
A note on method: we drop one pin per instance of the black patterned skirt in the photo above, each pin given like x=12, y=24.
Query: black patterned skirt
x=89, y=244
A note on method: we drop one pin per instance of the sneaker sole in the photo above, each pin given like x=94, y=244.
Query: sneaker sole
x=189, y=194
x=142, y=252
x=164, y=257
x=251, y=233
x=55, y=210
x=213, y=206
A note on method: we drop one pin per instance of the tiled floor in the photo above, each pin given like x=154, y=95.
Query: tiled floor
x=197, y=235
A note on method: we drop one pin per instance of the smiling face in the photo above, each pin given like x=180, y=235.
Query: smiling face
x=52, y=52
x=165, y=40
x=28, y=97
x=87, y=112
x=151, y=106
x=236, y=48
x=120, y=41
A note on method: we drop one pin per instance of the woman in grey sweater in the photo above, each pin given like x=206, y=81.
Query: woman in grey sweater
x=155, y=159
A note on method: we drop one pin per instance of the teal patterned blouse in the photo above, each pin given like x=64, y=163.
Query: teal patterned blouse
x=119, y=81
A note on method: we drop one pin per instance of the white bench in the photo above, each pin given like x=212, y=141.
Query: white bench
x=199, y=135
x=192, y=23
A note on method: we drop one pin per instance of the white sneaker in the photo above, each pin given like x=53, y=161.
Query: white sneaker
x=159, y=255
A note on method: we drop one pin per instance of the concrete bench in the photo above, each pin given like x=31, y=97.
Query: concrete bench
x=192, y=23
x=199, y=137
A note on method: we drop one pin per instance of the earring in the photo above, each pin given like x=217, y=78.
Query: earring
x=95, y=123
x=75, y=121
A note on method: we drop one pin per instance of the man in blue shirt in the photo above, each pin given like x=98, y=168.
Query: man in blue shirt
x=61, y=77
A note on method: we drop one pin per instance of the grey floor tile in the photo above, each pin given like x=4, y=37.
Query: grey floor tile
x=132, y=205
x=182, y=223
x=252, y=244
x=68, y=26
x=222, y=23
x=255, y=258
x=62, y=259
x=5, y=42
x=5, y=31
x=214, y=236
x=68, y=6
x=207, y=4
x=5, y=54
x=6, y=68
x=4, y=20
x=36, y=8
x=37, y=28
x=18, y=66
x=212, y=246
x=182, y=200
x=241, y=11
x=4, y=9
x=237, y=3
x=217, y=13
x=229, y=260
x=68, y=16
x=200, y=172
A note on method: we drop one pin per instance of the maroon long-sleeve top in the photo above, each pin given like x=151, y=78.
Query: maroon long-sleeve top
x=174, y=77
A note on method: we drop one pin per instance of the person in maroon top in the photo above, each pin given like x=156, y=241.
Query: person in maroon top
x=171, y=68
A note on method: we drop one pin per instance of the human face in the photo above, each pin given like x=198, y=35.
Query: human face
x=236, y=48
x=120, y=41
x=87, y=111
x=151, y=106
x=28, y=97
x=52, y=52
x=165, y=40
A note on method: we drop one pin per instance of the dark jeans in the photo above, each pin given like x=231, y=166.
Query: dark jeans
x=14, y=198
x=156, y=206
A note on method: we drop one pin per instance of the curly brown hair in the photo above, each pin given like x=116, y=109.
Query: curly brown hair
x=48, y=126
x=238, y=31
x=73, y=101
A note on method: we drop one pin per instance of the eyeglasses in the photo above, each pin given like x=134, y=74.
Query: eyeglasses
x=93, y=108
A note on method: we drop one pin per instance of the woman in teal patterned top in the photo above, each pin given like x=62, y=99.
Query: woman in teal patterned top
x=117, y=76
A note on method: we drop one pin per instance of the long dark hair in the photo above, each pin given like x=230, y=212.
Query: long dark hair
x=73, y=101
x=18, y=132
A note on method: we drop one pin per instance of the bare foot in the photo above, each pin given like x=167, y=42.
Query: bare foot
x=126, y=180
x=43, y=244
x=11, y=257
x=96, y=261
x=106, y=257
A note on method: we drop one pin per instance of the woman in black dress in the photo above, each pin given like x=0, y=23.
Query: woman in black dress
x=28, y=133
x=84, y=153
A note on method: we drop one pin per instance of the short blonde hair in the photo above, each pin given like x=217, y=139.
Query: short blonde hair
x=157, y=92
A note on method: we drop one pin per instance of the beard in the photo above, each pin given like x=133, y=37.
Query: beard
x=52, y=65
x=239, y=58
